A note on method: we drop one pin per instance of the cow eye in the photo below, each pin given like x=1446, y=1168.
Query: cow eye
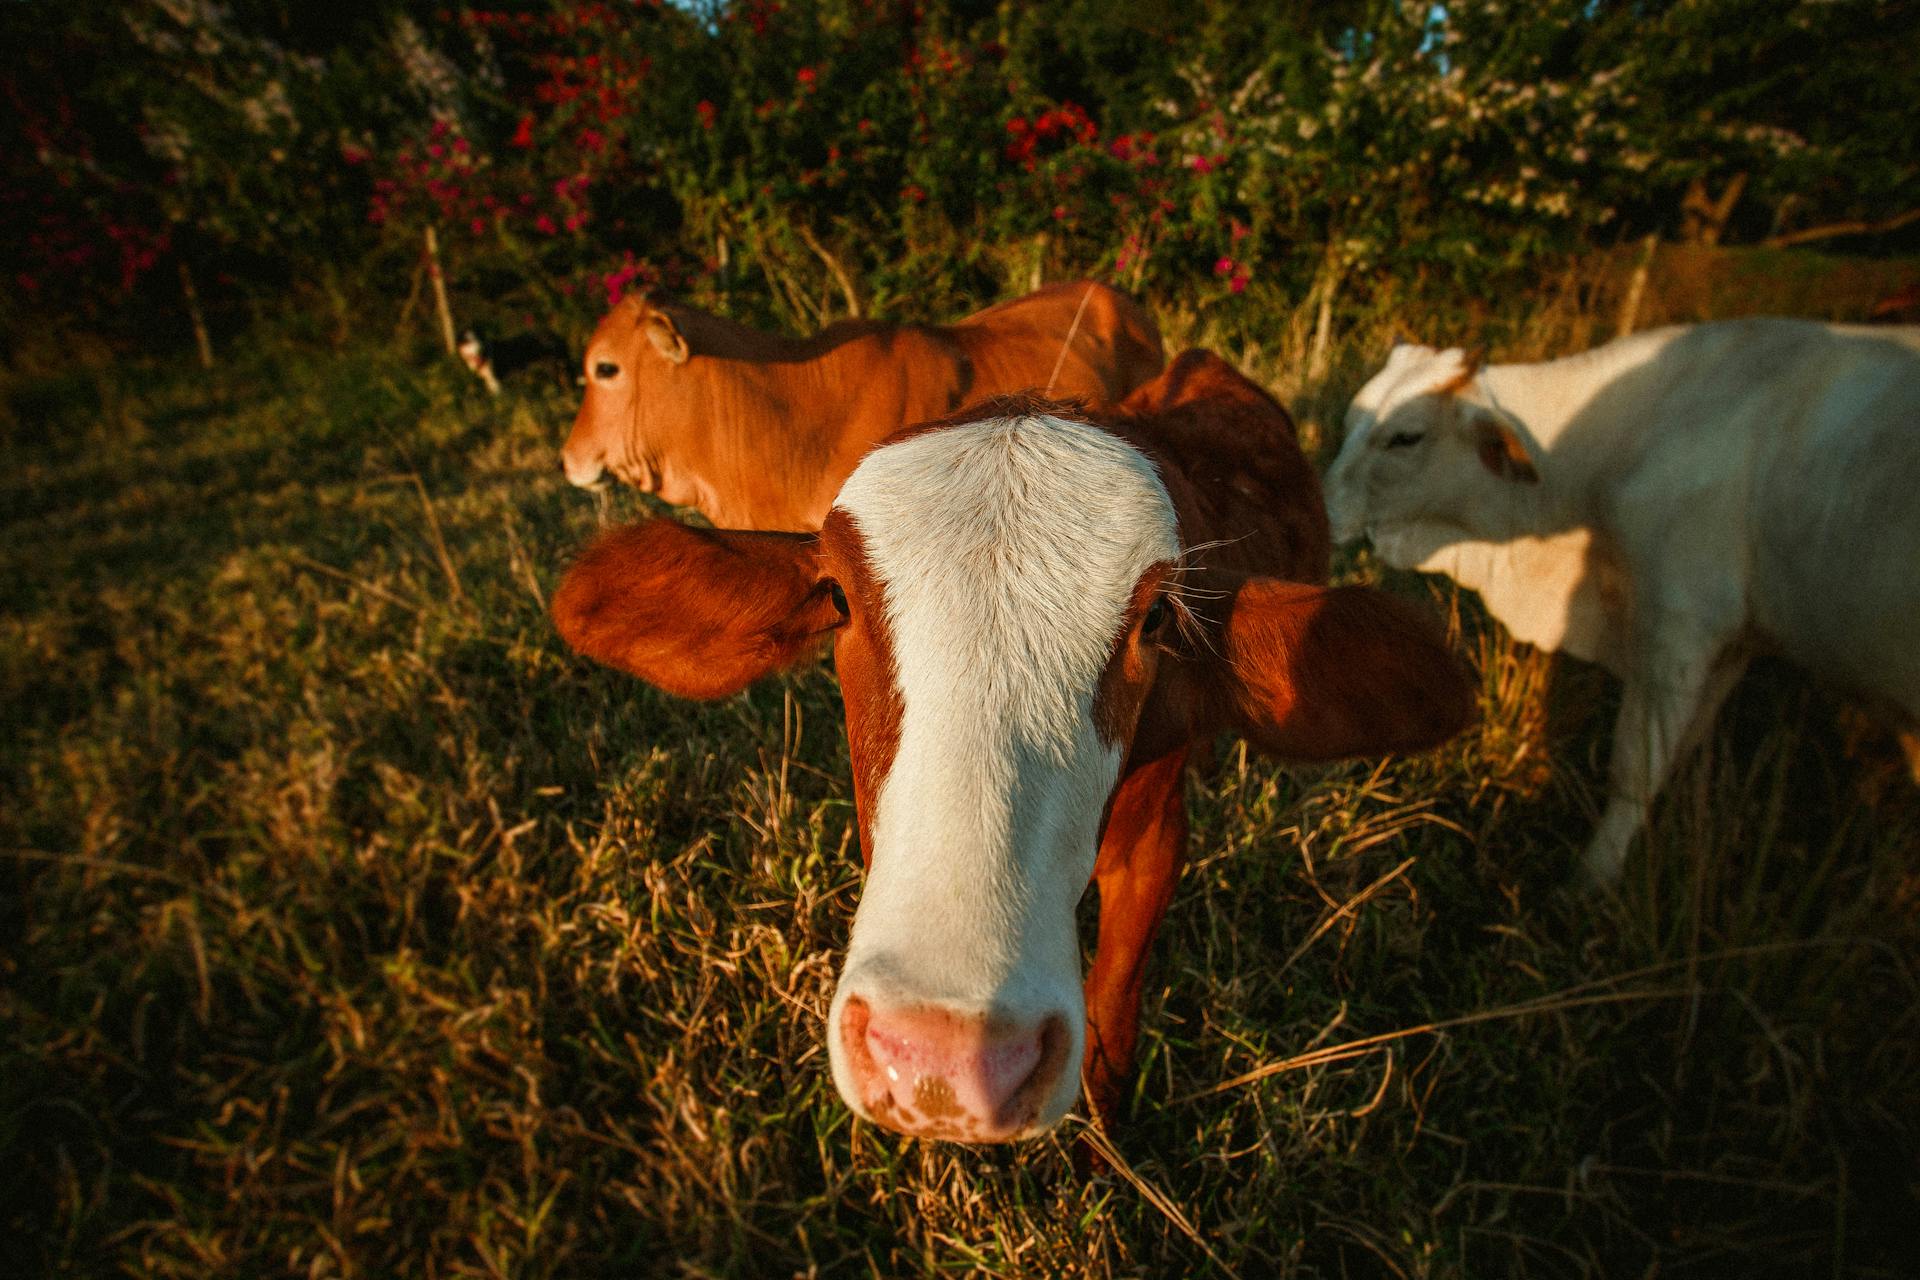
x=1157, y=614
x=607, y=370
x=1402, y=439
x=839, y=599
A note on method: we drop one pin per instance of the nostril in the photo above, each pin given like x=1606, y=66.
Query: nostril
x=990, y=1069
x=941, y=1073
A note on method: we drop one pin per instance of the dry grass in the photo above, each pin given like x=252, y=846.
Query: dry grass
x=353, y=928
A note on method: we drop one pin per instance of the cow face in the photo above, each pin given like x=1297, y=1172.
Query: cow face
x=631, y=356
x=1007, y=577
x=1425, y=446
x=994, y=591
x=1005, y=601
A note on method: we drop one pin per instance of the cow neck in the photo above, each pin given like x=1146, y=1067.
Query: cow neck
x=1550, y=397
x=769, y=432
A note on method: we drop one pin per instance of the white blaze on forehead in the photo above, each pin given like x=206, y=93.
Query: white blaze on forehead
x=1006, y=553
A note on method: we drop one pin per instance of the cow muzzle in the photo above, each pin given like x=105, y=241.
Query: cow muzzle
x=590, y=474
x=1346, y=519
x=932, y=1072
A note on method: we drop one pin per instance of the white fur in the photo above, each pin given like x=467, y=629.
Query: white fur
x=1700, y=489
x=1007, y=552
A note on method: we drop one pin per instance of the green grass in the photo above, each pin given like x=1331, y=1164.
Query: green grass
x=352, y=927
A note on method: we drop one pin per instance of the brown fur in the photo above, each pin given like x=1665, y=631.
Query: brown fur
x=863, y=655
x=757, y=430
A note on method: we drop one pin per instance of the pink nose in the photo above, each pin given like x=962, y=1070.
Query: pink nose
x=934, y=1073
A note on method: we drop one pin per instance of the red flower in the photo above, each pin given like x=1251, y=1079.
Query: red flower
x=1200, y=164
x=1224, y=267
x=546, y=225
x=914, y=193
x=704, y=110
x=806, y=76
x=523, y=136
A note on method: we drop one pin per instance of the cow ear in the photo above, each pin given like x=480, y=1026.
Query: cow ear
x=1317, y=673
x=1501, y=450
x=1466, y=368
x=665, y=336
x=701, y=613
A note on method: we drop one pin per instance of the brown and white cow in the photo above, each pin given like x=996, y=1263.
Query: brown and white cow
x=757, y=430
x=1036, y=617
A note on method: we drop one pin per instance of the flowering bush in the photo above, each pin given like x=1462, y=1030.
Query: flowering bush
x=802, y=157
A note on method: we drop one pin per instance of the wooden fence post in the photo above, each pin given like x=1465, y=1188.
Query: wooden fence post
x=194, y=317
x=440, y=293
x=1636, y=287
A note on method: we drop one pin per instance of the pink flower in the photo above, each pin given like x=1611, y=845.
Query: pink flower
x=1200, y=164
x=546, y=225
x=1237, y=285
x=1224, y=267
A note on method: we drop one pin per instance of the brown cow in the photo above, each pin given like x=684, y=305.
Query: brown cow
x=1035, y=619
x=757, y=430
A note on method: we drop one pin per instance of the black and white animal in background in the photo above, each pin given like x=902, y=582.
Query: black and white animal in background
x=492, y=361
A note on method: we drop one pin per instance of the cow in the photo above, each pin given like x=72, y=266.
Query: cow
x=1037, y=615
x=758, y=430
x=1663, y=505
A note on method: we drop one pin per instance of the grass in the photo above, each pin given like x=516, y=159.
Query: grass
x=351, y=927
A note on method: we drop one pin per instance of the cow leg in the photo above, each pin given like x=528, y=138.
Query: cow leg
x=1676, y=688
x=1140, y=859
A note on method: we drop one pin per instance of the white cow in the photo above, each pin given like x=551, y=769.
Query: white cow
x=1663, y=505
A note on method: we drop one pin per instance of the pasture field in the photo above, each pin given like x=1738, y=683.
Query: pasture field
x=350, y=926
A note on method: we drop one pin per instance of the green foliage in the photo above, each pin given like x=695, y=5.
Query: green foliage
x=567, y=150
